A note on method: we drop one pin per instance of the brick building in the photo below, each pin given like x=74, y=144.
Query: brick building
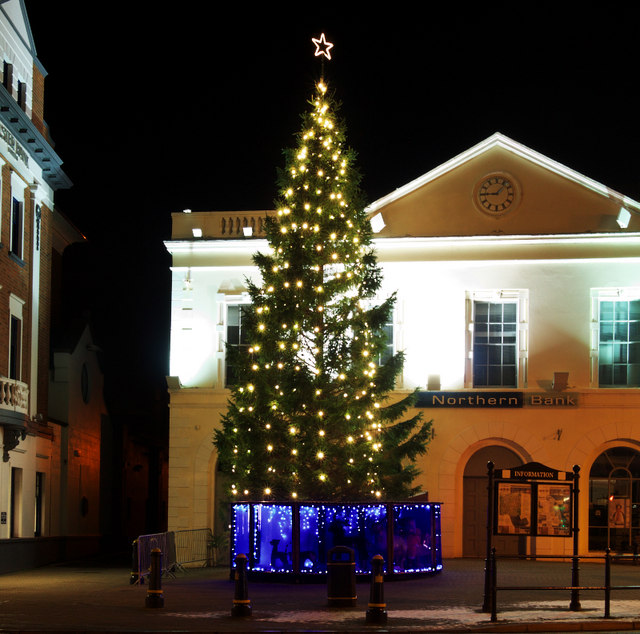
x=33, y=455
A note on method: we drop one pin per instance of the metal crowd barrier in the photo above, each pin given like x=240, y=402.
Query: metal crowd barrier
x=179, y=548
x=142, y=555
x=575, y=589
x=193, y=546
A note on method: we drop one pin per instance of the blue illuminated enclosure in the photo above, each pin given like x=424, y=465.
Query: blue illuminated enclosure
x=294, y=539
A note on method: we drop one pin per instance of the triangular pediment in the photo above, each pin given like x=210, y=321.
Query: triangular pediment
x=500, y=187
x=16, y=14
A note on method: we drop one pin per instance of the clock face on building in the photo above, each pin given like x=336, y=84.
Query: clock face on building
x=496, y=194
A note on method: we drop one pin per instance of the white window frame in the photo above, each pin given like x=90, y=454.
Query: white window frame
x=228, y=301
x=16, y=247
x=393, y=322
x=500, y=296
x=598, y=295
x=396, y=331
x=7, y=76
x=17, y=196
x=21, y=94
x=16, y=311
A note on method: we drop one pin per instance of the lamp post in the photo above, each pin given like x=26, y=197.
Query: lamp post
x=486, y=605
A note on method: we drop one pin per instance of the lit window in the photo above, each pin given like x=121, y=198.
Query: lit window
x=619, y=343
x=389, y=350
x=236, y=340
x=497, y=344
x=614, y=496
x=388, y=330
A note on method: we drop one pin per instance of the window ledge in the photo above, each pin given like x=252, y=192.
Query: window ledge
x=17, y=259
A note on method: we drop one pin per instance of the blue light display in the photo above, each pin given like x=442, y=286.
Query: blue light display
x=294, y=539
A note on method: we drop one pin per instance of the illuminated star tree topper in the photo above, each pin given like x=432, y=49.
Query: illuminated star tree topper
x=322, y=46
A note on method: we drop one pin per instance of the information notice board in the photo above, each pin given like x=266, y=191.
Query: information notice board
x=533, y=500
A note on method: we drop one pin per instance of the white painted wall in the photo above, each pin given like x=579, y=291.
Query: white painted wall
x=437, y=248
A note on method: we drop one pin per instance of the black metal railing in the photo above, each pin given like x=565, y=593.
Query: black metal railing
x=574, y=589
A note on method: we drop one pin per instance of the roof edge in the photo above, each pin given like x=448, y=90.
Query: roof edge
x=500, y=140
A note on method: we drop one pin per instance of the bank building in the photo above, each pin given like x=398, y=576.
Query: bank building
x=518, y=285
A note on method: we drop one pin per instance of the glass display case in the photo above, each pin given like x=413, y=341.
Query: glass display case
x=293, y=539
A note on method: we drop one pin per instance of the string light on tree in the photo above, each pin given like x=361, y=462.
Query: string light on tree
x=310, y=417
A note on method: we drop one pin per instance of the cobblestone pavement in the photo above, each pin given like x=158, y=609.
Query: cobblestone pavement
x=99, y=598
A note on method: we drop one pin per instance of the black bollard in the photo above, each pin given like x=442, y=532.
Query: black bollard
x=155, y=599
x=377, y=610
x=241, y=602
x=607, y=584
x=135, y=573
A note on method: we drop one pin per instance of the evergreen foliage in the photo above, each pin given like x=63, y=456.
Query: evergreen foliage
x=310, y=416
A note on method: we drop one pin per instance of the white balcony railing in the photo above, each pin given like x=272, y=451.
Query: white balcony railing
x=14, y=395
x=208, y=225
x=232, y=225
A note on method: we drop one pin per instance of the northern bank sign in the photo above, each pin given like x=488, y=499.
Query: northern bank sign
x=496, y=400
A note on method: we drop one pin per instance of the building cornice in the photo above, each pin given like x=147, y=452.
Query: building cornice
x=527, y=247
x=36, y=146
x=596, y=246
x=250, y=245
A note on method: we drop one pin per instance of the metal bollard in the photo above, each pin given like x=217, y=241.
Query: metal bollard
x=155, y=599
x=135, y=573
x=241, y=602
x=377, y=610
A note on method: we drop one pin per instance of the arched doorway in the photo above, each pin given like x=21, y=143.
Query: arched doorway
x=474, y=501
x=614, y=500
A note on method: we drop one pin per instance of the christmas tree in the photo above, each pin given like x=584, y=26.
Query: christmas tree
x=310, y=416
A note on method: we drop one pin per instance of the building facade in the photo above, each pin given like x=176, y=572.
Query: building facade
x=82, y=428
x=518, y=285
x=33, y=487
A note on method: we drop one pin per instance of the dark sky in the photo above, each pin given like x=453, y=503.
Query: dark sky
x=155, y=108
x=192, y=108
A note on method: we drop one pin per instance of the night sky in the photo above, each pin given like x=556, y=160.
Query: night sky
x=155, y=110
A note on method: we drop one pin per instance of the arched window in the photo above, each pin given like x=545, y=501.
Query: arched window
x=614, y=500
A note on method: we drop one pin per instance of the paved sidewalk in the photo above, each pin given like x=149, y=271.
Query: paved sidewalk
x=97, y=598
